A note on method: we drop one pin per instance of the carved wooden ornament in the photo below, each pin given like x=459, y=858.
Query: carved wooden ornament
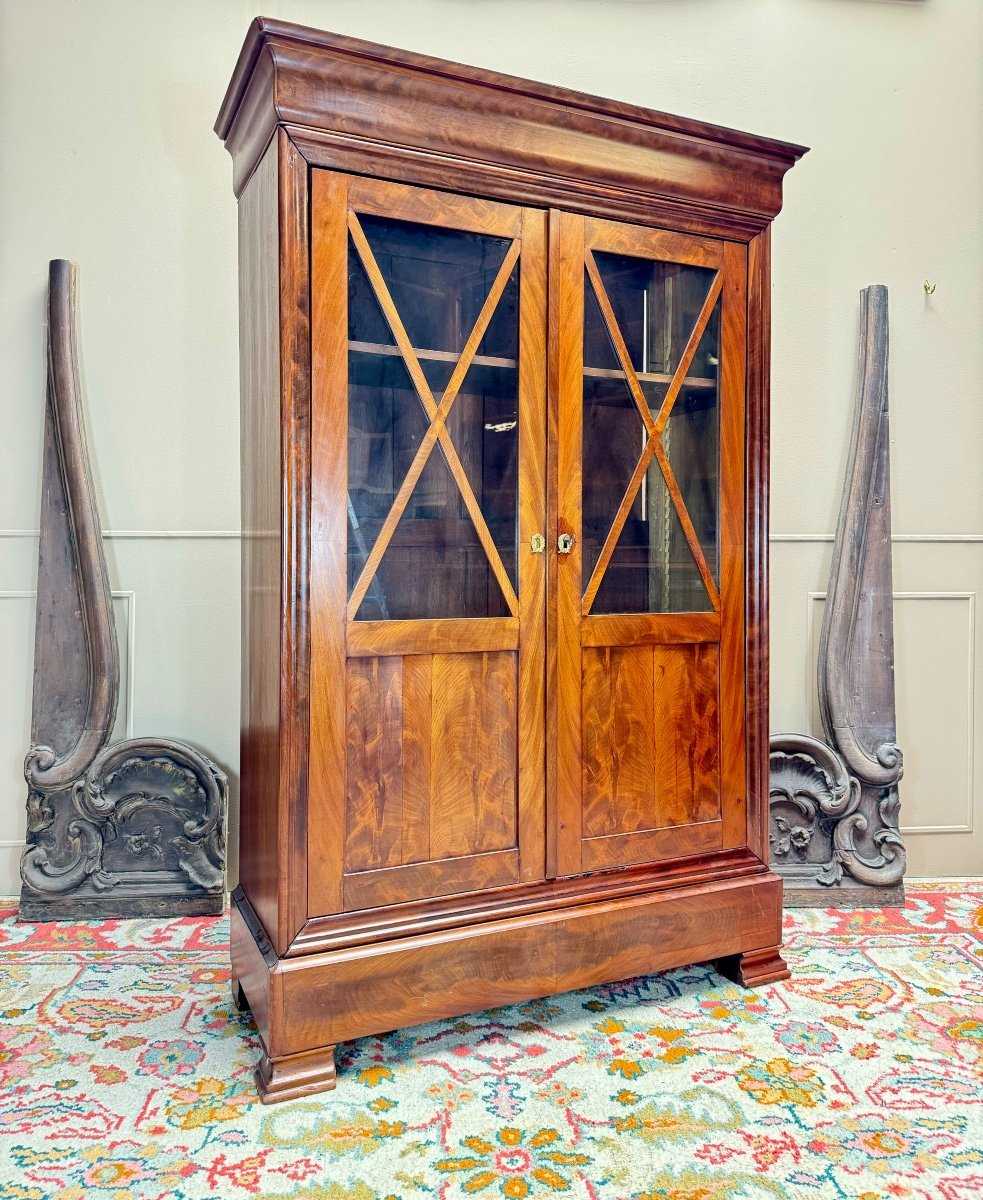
x=130, y=828
x=834, y=806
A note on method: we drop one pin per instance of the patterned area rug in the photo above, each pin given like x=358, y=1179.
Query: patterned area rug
x=125, y=1072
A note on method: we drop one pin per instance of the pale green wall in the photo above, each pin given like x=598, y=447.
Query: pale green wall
x=108, y=158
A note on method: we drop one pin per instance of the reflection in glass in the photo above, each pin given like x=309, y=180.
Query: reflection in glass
x=652, y=567
x=434, y=566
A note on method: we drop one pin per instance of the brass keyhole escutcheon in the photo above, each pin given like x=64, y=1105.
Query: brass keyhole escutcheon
x=564, y=543
x=537, y=543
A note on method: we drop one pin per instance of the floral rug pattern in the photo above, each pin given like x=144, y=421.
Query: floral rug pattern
x=126, y=1074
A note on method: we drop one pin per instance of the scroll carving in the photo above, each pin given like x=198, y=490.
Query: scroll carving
x=113, y=829
x=835, y=804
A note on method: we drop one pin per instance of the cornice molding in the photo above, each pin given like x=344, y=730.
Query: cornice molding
x=567, y=145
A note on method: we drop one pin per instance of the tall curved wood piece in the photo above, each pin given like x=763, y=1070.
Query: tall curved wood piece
x=129, y=828
x=834, y=806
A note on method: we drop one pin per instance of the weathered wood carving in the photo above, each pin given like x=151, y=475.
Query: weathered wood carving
x=834, y=806
x=133, y=828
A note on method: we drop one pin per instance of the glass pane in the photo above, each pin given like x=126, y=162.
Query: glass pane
x=692, y=441
x=652, y=568
x=386, y=424
x=434, y=565
x=484, y=426
x=656, y=305
x=613, y=436
x=439, y=279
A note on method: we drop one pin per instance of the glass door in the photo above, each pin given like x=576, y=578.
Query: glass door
x=650, y=519
x=427, y=584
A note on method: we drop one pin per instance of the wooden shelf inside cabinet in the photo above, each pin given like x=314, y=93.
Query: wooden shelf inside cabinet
x=650, y=377
x=447, y=752
x=489, y=360
x=441, y=356
x=375, y=365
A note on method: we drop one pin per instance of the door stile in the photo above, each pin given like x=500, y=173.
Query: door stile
x=329, y=493
x=295, y=349
x=553, y=311
x=733, y=371
x=532, y=520
x=756, y=543
x=567, y=296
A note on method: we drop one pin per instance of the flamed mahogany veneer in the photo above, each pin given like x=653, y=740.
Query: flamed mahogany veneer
x=504, y=366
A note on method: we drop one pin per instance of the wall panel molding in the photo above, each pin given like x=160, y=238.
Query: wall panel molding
x=897, y=537
x=110, y=534
x=131, y=642
x=179, y=534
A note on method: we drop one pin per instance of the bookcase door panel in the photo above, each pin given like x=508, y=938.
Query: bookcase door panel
x=650, y=601
x=432, y=775
x=427, y=603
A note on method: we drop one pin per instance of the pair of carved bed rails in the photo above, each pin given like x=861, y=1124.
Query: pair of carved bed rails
x=137, y=828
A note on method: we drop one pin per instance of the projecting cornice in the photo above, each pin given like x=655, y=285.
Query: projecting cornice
x=509, y=137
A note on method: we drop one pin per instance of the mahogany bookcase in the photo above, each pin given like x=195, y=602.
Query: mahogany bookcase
x=504, y=371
